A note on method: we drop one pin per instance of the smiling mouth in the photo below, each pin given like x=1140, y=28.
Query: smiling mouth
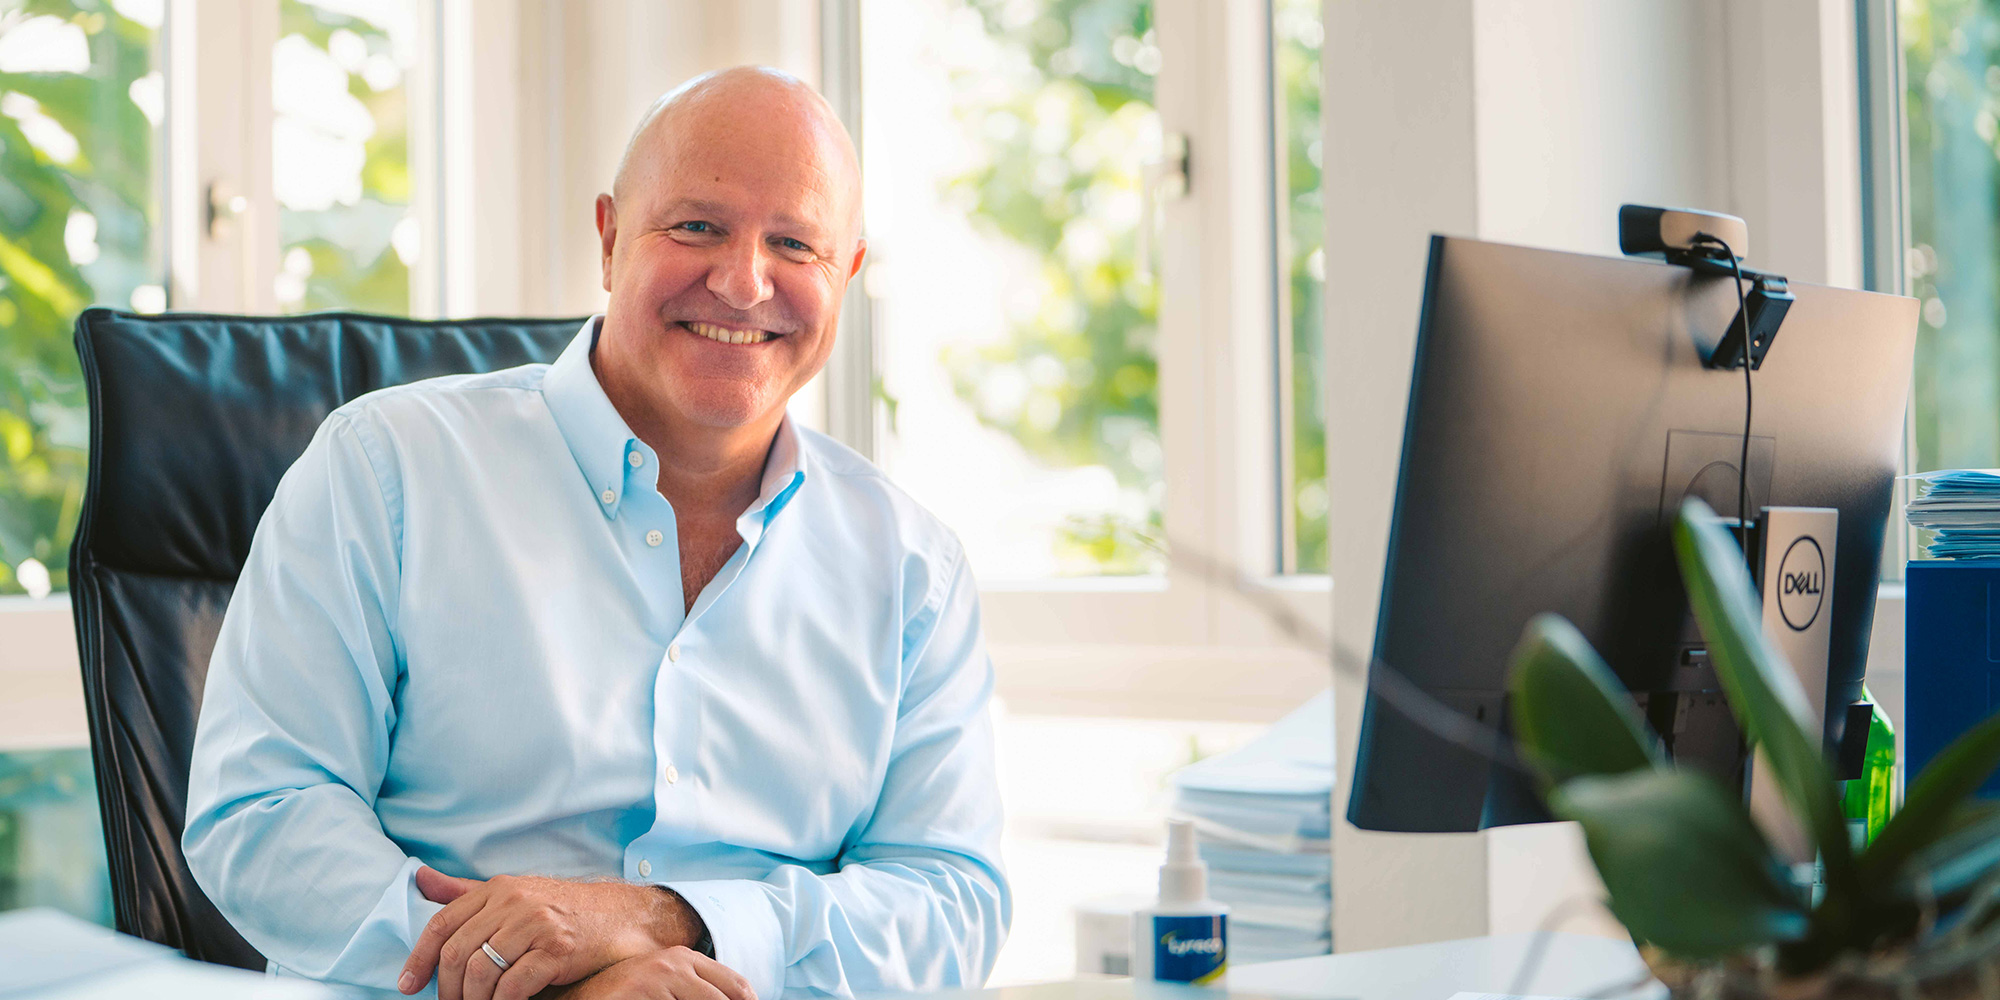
x=727, y=335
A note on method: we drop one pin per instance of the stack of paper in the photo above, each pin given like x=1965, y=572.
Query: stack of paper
x=1264, y=815
x=1961, y=508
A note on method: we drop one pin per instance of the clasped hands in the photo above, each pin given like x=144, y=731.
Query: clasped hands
x=609, y=939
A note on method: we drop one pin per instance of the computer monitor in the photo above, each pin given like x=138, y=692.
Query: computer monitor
x=1559, y=412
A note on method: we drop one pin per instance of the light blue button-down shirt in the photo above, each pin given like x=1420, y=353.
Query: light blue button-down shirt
x=460, y=641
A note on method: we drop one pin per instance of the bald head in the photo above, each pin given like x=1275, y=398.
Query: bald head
x=731, y=102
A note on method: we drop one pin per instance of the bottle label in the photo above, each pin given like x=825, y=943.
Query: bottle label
x=1190, y=949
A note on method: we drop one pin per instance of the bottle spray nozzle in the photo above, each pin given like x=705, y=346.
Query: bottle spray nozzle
x=1180, y=843
x=1184, y=878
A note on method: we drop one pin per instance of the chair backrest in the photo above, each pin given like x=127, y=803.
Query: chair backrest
x=193, y=419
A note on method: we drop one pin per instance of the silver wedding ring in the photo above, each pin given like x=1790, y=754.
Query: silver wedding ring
x=494, y=955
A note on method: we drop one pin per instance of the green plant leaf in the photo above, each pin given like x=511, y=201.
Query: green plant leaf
x=1686, y=868
x=1932, y=805
x=1763, y=691
x=1956, y=862
x=1569, y=710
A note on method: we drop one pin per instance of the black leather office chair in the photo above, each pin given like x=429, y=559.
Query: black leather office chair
x=193, y=419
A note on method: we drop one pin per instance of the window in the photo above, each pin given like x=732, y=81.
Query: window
x=340, y=149
x=1016, y=301
x=1093, y=293
x=51, y=846
x=1951, y=60
x=81, y=103
x=1296, y=37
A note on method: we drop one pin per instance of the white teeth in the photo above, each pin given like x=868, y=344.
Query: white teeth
x=724, y=334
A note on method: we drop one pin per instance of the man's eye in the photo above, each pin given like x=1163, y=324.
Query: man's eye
x=697, y=227
x=792, y=244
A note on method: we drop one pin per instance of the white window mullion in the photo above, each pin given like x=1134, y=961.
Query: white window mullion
x=1188, y=306
x=221, y=216
x=429, y=116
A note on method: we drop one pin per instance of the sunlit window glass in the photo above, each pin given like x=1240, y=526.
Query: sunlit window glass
x=1005, y=142
x=1296, y=36
x=1951, y=52
x=340, y=154
x=81, y=103
x=51, y=846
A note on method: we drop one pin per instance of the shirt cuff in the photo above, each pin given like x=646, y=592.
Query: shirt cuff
x=743, y=924
x=398, y=918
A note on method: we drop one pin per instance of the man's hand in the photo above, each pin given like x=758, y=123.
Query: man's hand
x=550, y=931
x=671, y=974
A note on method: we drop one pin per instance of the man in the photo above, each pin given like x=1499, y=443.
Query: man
x=663, y=695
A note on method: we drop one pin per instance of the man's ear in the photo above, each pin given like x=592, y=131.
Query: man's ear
x=607, y=234
x=854, y=266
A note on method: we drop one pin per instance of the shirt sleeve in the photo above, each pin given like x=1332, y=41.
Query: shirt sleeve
x=919, y=901
x=295, y=725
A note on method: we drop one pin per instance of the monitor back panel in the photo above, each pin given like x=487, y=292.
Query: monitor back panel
x=1559, y=412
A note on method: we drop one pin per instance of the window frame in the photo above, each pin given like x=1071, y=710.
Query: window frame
x=1102, y=646
x=221, y=253
x=1149, y=645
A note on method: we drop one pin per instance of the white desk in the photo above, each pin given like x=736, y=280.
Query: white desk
x=46, y=956
x=1571, y=965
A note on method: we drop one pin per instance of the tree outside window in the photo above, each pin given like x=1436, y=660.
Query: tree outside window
x=81, y=102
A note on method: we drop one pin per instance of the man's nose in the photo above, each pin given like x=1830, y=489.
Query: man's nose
x=741, y=276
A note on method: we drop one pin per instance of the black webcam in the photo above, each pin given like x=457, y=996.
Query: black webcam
x=1713, y=244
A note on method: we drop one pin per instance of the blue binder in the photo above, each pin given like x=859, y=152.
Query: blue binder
x=1951, y=656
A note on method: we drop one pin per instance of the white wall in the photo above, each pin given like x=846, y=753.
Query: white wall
x=1530, y=121
x=549, y=91
x=1400, y=164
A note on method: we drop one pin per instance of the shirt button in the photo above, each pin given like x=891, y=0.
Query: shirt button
x=654, y=537
x=674, y=652
x=607, y=496
x=645, y=868
x=673, y=774
x=636, y=459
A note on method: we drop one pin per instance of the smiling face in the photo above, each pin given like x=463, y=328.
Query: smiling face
x=727, y=244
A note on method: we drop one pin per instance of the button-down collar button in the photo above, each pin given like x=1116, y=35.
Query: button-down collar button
x=654, y=537
x=674, y=652
x=607, y=496
x=673, y=774
x=636, y=459
x=645, y=868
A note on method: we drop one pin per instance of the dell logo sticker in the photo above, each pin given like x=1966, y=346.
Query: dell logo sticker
x=1798, y=588
x=1801, y=583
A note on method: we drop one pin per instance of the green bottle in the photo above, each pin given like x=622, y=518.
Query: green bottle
x=1872, y=798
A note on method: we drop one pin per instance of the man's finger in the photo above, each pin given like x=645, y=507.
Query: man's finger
x=510, y=937
x=696, y=986
x=423, y=960
x=441, y=888
x=461, y=956
x=482, y=974
x=526, y=976
x=732, y=983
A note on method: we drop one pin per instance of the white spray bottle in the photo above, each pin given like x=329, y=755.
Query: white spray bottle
x=1184, y=938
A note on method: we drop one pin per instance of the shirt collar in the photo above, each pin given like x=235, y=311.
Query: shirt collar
x=600, y=439
x=597, y=436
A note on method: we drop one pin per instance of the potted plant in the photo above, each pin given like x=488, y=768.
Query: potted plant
x=1691, y=875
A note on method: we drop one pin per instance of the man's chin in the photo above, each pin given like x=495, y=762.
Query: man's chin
x=725, y=411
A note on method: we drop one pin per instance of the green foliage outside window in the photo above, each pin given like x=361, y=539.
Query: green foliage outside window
x=1297, y=35
x=1951, y=53
x=339, y=249
x=78, y=211
x=1060, y=157
x=1059, y=179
